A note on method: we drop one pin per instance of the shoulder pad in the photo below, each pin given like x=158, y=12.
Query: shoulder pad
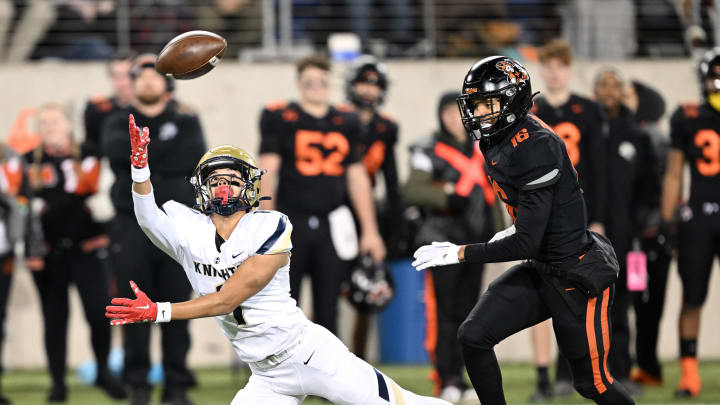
x=690, y=109
x=387, y=117
x=276, y=105
x=344, y=107
x=102, y=103
x=271, y=232
x=186, y=109
x=537, y=160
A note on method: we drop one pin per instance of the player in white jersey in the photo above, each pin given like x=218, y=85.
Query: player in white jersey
x=237, y=259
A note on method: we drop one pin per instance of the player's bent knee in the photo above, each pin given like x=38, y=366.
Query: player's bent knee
x=694, y=300
x=586, y=389
x=474, y=336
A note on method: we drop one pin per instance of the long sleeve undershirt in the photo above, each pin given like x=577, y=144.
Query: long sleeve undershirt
x=533, y=213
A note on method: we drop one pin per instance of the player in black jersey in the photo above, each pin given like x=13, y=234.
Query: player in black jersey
x=310, y=150
x=577, y=121
x=100, y=107
x=366, y=87
x=695, y=139
x=569, y=272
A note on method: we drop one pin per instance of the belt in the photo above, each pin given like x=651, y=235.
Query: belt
x=277, y=358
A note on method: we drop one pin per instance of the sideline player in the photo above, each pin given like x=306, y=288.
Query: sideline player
x=695, y=138
x=570, y=272
x=237, y=259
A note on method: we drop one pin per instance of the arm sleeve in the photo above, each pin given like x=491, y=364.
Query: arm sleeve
x=647, y=183
x=91, y=145
x=269, y=133
x=598, y=171
x=538, y=163
x=353, y=135
x=532, y=217
x=157, y=225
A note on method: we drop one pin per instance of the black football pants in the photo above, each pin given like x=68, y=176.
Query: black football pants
x=313, y=254
x=53, y=283
x=457, y=288
x=649, y=307
x=162, y=279
x=521, y=298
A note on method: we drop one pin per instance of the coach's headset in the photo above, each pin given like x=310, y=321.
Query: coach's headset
x=221, y=201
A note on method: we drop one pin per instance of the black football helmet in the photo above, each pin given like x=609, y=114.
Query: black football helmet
x=367, y=69
x=371, y=287
x=709, y=76
x=495, y=77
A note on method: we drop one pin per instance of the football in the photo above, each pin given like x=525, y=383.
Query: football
x=191, y=54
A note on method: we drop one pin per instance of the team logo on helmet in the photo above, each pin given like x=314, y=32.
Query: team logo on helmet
x=515, y=73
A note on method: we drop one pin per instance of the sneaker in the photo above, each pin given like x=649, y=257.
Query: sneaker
x=58, y=393
x=176, y=396
x=690, y=383
x=111, y=385
x=642, y=377
x=562, y=388
x=451, y=394
x=469, y=396
x=139, y=396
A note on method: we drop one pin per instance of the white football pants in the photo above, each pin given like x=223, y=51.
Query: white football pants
x=322, y=366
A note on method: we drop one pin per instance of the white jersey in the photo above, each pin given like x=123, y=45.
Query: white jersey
x=265, y=323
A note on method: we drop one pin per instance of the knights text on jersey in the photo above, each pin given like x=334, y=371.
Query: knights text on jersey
x=265, y=323
x=315, y=154
x=695, y=130
x=532, y=158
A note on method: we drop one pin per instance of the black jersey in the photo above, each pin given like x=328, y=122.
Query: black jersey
x=696, y=131
x=64, y=183
x=96, y=111
x=315, y=155
x=531, y=173
x=579, y=124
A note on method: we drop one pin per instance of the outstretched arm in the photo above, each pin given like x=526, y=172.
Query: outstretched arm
x=152, y=220
x=249, y=278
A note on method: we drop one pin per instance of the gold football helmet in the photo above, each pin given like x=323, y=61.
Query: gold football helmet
x=203, y=180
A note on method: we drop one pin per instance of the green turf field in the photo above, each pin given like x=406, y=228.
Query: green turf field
x=218, y=386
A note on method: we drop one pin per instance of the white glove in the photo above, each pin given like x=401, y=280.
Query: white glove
x=437, y=254
x=503, y=234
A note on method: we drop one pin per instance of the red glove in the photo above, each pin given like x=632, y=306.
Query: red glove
x=138, y=144
x=124, y=310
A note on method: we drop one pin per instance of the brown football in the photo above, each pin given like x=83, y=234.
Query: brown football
x=191, y=55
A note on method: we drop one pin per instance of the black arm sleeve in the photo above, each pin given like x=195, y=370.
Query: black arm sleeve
x=389, y=169
x=532, y=217
x=647, y=183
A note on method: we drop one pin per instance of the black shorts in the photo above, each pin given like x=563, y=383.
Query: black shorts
x=698, y=244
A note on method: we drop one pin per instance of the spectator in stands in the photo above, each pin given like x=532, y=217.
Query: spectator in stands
x=82, y=29
x=448, y=183
x=177, y=146
x=391, y=20
x=155, y=22
x=475, y=28
x=238, y=21
x=17, y=222
x=600, y=29
x=63, y=180
x=649, y=107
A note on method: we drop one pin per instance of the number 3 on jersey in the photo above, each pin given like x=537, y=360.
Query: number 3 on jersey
x=237, y=313
x=310, y=147
x=709, y=141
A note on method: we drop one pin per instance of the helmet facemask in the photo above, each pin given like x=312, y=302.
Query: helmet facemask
x=492, y=123
x=229, y=191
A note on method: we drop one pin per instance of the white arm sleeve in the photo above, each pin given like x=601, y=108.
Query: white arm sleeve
x=157, y=225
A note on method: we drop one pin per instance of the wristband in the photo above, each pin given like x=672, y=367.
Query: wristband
x=164, y=313
x=139, y=175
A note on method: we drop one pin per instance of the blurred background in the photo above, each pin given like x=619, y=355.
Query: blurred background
x=57, y=51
